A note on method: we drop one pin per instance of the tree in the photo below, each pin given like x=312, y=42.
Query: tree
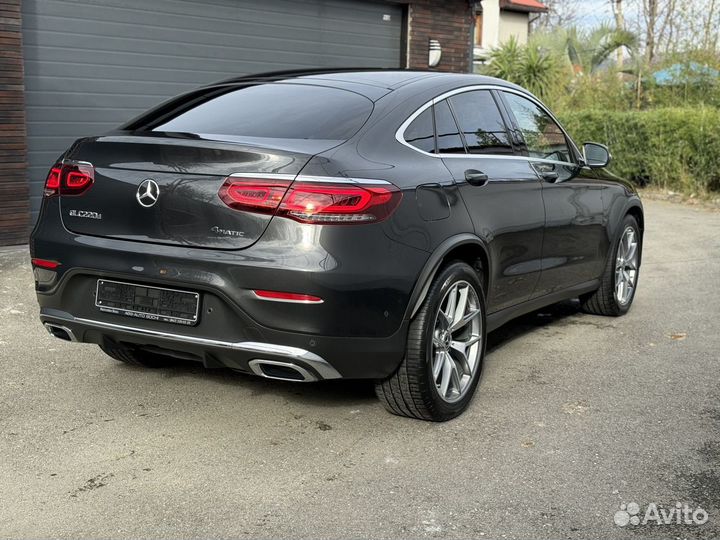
x=560, y=14
x=586, y=50
x=527, y=66
x=619, y=14
x=650, y=11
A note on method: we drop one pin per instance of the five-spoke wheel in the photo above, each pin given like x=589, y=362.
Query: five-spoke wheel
x=456, y=341
x=626, y=266
x=445, y=350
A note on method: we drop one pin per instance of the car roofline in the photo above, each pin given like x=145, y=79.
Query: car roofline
x=291, y=73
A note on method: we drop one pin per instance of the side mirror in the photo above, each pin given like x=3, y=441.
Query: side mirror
x=596, y=155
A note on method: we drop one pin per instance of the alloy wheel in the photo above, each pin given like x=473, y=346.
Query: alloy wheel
x=626, y=266
x=456, y=341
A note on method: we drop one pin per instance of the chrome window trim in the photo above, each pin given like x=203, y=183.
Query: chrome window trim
x=400, y=133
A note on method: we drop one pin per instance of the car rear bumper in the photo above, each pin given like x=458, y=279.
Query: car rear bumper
x=359, y=331
x=300, y=364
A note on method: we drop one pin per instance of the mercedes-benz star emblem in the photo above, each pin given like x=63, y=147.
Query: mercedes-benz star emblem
x=148, y=193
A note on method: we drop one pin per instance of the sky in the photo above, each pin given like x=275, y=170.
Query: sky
x=594, y=12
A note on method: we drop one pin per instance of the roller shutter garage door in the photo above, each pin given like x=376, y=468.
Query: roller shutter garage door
x=92, y=64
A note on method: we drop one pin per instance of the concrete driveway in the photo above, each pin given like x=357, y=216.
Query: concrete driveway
x=576, y=415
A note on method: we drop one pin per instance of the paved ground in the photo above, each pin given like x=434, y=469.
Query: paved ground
x=576, y=415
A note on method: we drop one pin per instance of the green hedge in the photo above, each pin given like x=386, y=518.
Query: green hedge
x=671, y=148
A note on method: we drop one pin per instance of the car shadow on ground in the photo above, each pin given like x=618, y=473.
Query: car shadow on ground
x=356, y=392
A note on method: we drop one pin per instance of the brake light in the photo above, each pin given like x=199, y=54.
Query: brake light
x=339, y=203
x=76, y=177
x=52, y=182
x=45, y=263
x=312, y=202
x=69, y=178
x=253, y=195
x=296, y=298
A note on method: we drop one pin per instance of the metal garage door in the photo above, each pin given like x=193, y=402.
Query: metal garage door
x=92, y=64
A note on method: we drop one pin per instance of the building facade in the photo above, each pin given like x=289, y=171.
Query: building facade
x=498, y=21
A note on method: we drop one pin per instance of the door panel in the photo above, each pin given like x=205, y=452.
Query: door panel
x=508, y=214
x=502, y=193
x=574, y=242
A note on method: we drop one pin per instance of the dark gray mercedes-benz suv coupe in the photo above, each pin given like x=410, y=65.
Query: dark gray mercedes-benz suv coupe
x=332, y=224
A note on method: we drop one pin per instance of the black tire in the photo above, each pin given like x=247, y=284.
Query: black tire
x=135, y=357
x=603, y=301
x=411, y=391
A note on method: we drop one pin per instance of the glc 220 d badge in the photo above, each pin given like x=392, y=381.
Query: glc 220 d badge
x=85, y=214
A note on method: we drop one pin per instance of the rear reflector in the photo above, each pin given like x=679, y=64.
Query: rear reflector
x=308, y=202
x=44, y=263
x=296, y=298
x=69, y=178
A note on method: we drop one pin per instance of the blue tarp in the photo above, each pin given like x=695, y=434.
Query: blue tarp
x=692, y=73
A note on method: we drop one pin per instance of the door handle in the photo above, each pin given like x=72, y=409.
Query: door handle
x=476, y=178
x=549, y=176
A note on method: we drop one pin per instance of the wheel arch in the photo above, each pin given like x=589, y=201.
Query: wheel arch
x=463, y=247
x=636, y=211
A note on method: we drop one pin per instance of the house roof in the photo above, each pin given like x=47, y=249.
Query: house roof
x=526, y=6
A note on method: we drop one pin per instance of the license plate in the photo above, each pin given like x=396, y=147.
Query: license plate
x=143, y=302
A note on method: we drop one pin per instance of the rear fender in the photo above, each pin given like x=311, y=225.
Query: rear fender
x=435, y=262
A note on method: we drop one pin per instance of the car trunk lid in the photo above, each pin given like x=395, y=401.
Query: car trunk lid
x=164, y=189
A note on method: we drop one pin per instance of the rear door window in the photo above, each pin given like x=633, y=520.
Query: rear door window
x=283, y=111
x=448, y=135
x=481, y=123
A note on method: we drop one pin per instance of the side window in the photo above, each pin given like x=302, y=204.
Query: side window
x=543, y=137
x=421, y=132
x=448, y=136
x=481, y=123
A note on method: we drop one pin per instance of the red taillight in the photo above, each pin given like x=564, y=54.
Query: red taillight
x=52, y=182
x=76, y=178
x=312, y=202
x=44, y=263
x=288, y=297
x=253, y=195
x=339, y=203
x=69, y=178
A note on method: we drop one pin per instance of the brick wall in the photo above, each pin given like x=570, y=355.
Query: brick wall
x=14, y=206
x=449, y=22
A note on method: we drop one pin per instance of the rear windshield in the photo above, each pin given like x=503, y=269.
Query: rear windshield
x=284, y=111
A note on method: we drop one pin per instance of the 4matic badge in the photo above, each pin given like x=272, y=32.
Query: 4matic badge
x=227, y=232
x=85, y=214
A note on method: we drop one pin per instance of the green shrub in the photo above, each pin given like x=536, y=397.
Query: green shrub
x=675, y=148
